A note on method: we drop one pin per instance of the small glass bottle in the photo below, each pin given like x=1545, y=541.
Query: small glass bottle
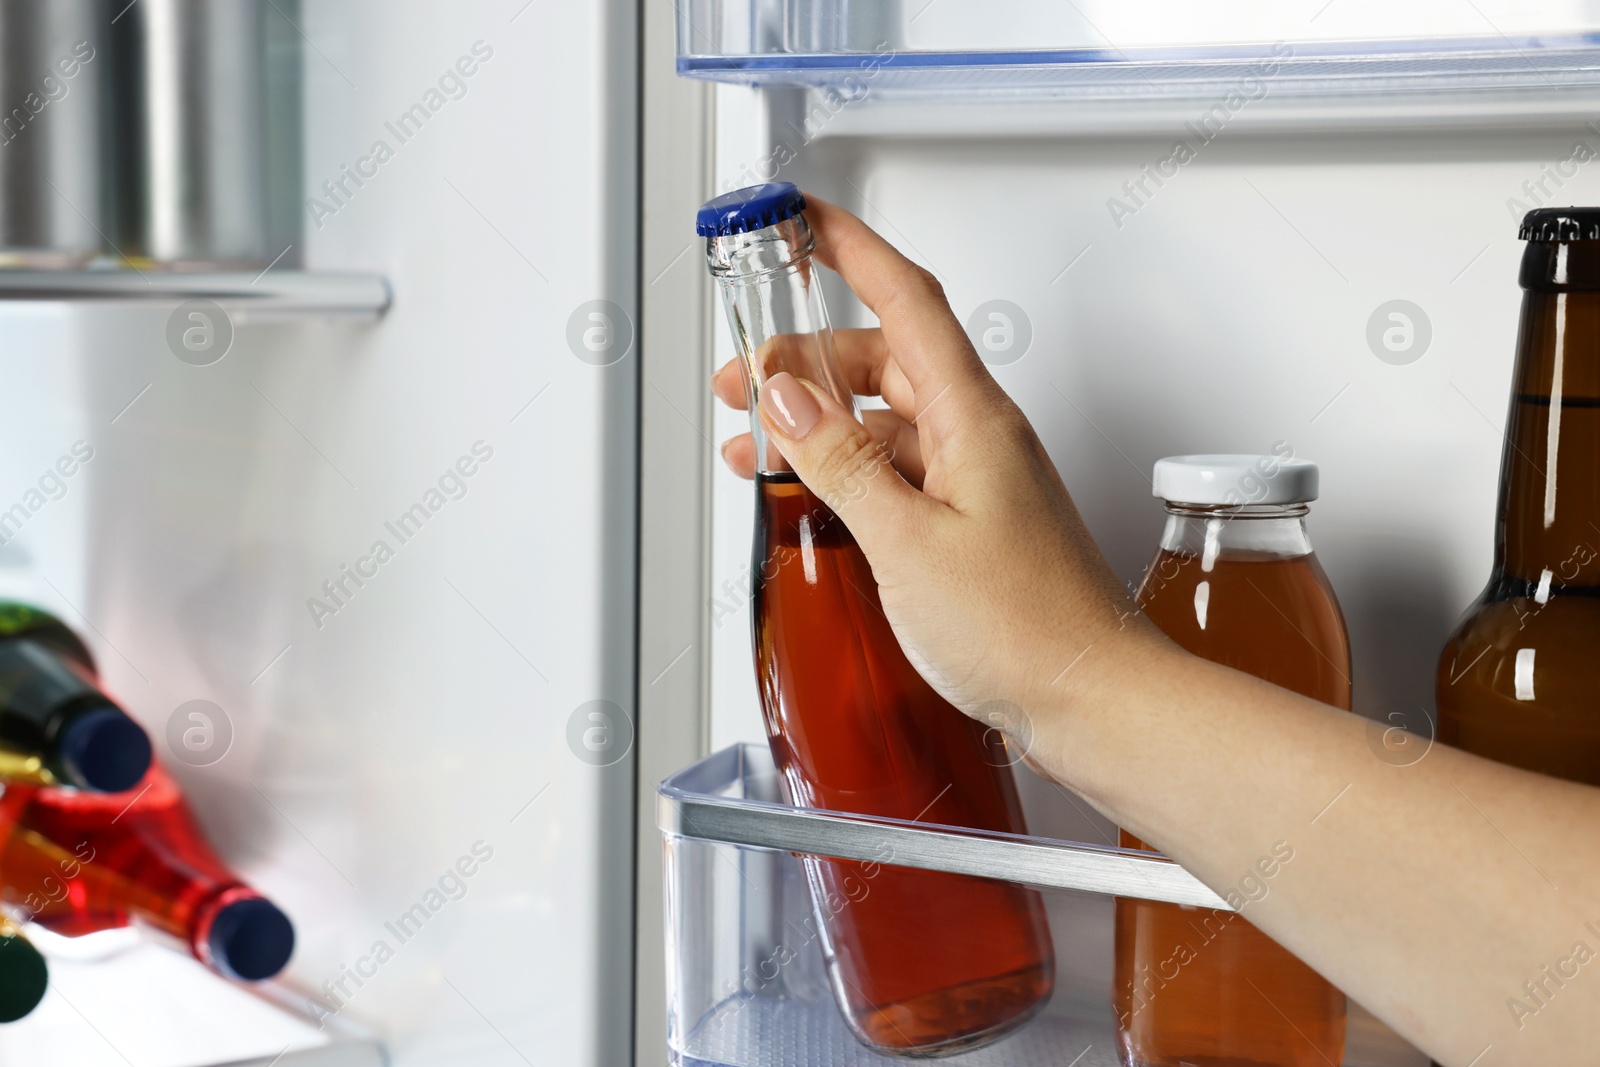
x=1234, y=581
x=920, y=962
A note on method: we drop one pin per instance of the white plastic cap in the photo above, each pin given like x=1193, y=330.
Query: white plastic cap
x=1234, y=480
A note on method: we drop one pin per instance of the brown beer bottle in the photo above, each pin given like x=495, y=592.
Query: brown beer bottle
x=1519, y=680
x=1234, y=581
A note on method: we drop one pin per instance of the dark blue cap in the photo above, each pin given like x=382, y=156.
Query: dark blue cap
x=750, y=208
x=251, y=939
x=104, y=750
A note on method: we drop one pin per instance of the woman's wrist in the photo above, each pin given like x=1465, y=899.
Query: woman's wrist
x=1093, y=699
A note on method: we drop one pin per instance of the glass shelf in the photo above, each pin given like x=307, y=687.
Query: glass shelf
x=1144, y=49
x=272, y=293
x=117, y=998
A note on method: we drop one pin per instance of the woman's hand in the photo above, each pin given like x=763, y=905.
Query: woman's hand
x=987, y=574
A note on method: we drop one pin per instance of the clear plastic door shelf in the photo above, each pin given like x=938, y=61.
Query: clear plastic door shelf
x=746, y=984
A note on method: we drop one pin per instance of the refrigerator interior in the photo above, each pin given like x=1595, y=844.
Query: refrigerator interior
x=447, y=708
x=1237, y=305
x=434, y=710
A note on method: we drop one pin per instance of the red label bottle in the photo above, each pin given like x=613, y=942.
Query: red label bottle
x=77, y=862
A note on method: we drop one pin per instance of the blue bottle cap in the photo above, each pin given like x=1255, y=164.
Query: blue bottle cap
x=750, y=208
x=251, y=939
x=104, y=750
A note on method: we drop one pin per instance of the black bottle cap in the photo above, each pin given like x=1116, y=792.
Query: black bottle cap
x=1561, y=224
x=23, y=977
x=104, y=750
x=251, y=939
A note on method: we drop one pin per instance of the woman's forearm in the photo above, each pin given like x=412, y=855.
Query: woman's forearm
x=1431, y=893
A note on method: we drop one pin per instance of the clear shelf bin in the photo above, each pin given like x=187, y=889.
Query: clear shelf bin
x=1143, y=48
x=746, y=985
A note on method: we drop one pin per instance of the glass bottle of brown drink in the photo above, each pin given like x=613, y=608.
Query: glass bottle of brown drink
x=922, y=963
x=1234, y=581
x=1519, y=680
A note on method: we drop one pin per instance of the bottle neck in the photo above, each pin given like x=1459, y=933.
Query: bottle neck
x=40, y=691
x=1548, y=524
x=777, y=316
x=1255, y=531
x=746, y=258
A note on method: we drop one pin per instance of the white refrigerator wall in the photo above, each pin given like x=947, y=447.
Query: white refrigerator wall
x=429, y=715
x=1229, y=310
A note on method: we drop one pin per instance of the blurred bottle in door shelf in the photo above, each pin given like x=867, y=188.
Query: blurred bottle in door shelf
x=23, y=974
x=190, y=133
x=921, y=963
x=77, y=862
x=54, y=170
x=1234, y=581
x=1518, y=677
x=56, y=724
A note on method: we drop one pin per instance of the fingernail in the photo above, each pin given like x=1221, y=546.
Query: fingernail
x=792, y=407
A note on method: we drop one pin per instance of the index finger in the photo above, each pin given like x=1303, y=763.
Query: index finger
x=863, y=357
x=927, y=342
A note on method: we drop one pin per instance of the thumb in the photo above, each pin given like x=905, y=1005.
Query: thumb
x=839, y=460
